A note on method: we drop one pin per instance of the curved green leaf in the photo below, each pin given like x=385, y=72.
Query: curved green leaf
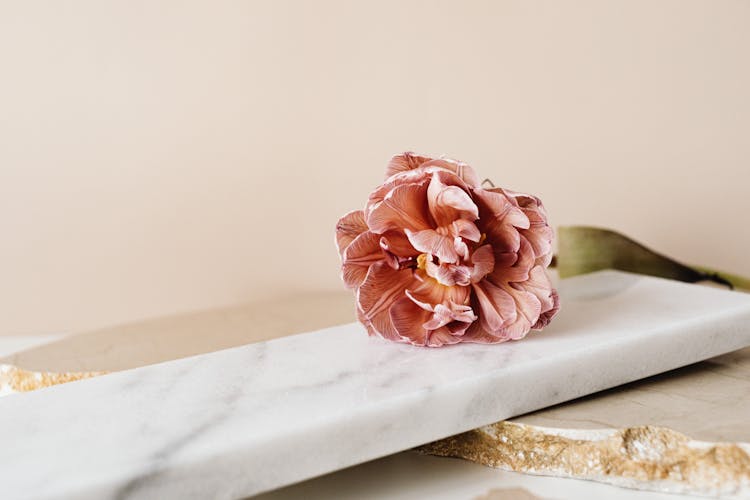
x=584, y=249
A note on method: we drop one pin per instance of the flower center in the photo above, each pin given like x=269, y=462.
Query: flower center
x=422, y=261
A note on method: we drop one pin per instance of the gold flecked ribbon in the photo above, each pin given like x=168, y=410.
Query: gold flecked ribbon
x=14, y=379
x=646, y=458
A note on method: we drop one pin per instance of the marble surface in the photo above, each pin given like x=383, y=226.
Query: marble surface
x=244, y=420
x=709, y=400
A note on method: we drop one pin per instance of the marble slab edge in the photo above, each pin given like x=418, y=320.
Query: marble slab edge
x=250, y=419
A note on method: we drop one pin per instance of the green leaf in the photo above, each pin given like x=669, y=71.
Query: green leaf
x=584, y=249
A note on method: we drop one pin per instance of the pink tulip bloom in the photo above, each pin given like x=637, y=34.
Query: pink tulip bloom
x=437, y=259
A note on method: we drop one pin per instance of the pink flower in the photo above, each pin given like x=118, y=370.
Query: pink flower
x=436, y=259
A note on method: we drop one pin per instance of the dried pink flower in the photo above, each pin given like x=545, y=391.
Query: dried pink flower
x=436, y=259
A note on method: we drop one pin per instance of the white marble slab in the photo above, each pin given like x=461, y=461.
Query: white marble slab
x=253, y=418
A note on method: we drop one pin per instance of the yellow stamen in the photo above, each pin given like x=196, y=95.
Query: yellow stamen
x=422, y=261
x=482, y=238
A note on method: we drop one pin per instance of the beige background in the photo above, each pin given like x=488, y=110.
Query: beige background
x=160, y=157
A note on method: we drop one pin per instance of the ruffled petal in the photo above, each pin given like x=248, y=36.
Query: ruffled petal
x=431, y=242
x=465, y=229
x=448, y=203
x=364, y=249
x=519, y=271
x=539, y=233
x=366, y=323
x=478, y=335
x=404, y=207
x=349, y=227
x=452, y=312
x=397, y=243
x=442, y=336
x=362, y=252
x=496, y=307
x=408, y=319
x=500, y=207
x=461, y=169
x=404, y=162
x=396, y=249
x=382, y=286
x=383, y=325
x=540, y=237
x=540, y=285
x=353, y=275
x=411, y=322
x=528, y=310
x=449, y=274
x=483, y=261
x=429, y=293
x=546, y=316
x=500, y=219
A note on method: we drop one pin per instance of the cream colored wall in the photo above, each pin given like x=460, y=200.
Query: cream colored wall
x=158, y=157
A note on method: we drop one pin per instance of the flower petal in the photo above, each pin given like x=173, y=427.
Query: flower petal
x=478, y=335
x=540, y=285
x=540, y=237
x=520, y=269
x=362, y=252
x=396, y=249
x=404, y=162
x=383, y=326
x=397, y=243
x=546, y=316
x=495, y=305
x=449, y=274
x=382, y=286
x=442, y=336
x=500, y=218
x=431, y=242
x=353, y=275
x=349, y=227
x=404, y=207
x=429, y=293
x=452, y=312
x=483, y=260
x=364, y=249
x=448, y=203
x=528, y=310
x=539, y=233
x=461, y=169
x=361, y=318
x=465, y=229
x=408, y=320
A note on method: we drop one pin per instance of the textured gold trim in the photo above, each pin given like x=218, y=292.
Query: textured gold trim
x=14, y=379
x=648, y=458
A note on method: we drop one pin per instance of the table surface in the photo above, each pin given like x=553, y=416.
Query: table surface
x=707, y=401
